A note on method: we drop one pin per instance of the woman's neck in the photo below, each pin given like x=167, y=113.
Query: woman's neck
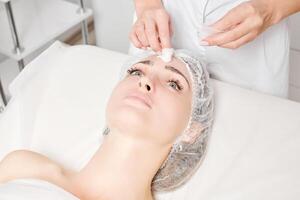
x=122, y=168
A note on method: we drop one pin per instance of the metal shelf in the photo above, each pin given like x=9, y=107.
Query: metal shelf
x=28, y=25
x=37, y=23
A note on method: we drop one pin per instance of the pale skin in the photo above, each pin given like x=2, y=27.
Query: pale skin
x=130, y=155
x=239, y=26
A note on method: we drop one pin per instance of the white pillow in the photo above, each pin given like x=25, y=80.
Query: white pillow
x=253, y=150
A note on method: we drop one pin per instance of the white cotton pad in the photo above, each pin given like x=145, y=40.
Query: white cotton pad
x=166, y=54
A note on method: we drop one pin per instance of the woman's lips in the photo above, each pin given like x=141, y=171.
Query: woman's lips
x=139, y=97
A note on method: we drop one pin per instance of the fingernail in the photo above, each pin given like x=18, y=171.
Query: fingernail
x=203, y=43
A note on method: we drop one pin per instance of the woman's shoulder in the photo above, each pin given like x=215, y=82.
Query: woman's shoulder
x=23, y=155
x=28, y=164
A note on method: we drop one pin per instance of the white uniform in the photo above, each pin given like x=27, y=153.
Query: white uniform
x=261, y=65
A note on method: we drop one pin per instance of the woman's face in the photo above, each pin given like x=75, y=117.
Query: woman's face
x=152, y=102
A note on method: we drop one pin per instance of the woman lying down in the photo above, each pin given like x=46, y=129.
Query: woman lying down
x=158, y=118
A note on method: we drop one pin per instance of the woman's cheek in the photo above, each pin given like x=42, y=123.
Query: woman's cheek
x=174, y=105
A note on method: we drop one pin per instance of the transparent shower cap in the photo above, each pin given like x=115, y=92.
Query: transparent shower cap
x=186, y=155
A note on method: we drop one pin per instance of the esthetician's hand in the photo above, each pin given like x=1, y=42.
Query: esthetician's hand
x=152, y=29
x=245, y=22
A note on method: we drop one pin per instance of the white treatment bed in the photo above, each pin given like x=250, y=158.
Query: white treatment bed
x=57, y=109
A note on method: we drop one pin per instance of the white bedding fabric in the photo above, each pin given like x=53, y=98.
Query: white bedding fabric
x=57, y=109
x=31, y=189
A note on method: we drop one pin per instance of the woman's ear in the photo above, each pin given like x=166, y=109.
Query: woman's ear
x=191, y=134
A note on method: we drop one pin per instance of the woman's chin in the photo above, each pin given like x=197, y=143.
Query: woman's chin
x=129, y=118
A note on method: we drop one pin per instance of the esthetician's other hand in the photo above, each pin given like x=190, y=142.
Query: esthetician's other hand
x=152, y=27
x=245, y=22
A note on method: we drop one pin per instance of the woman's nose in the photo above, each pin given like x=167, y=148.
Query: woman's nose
x=145, y=84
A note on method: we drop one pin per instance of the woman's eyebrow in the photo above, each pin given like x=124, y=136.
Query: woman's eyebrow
x=147, y=62
x=168, y=67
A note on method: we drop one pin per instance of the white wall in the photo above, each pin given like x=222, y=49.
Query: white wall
x=113, y=20
x=2, y=58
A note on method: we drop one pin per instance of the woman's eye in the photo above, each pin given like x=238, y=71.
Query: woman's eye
x=175, y=85
x=134, y=72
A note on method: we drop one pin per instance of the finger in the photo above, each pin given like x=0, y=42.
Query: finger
x=135, y=40
x=152, y=35
x=140, y=32
x=241, y=41
x=164, y=30
x=231, y=19
x=234, y=34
